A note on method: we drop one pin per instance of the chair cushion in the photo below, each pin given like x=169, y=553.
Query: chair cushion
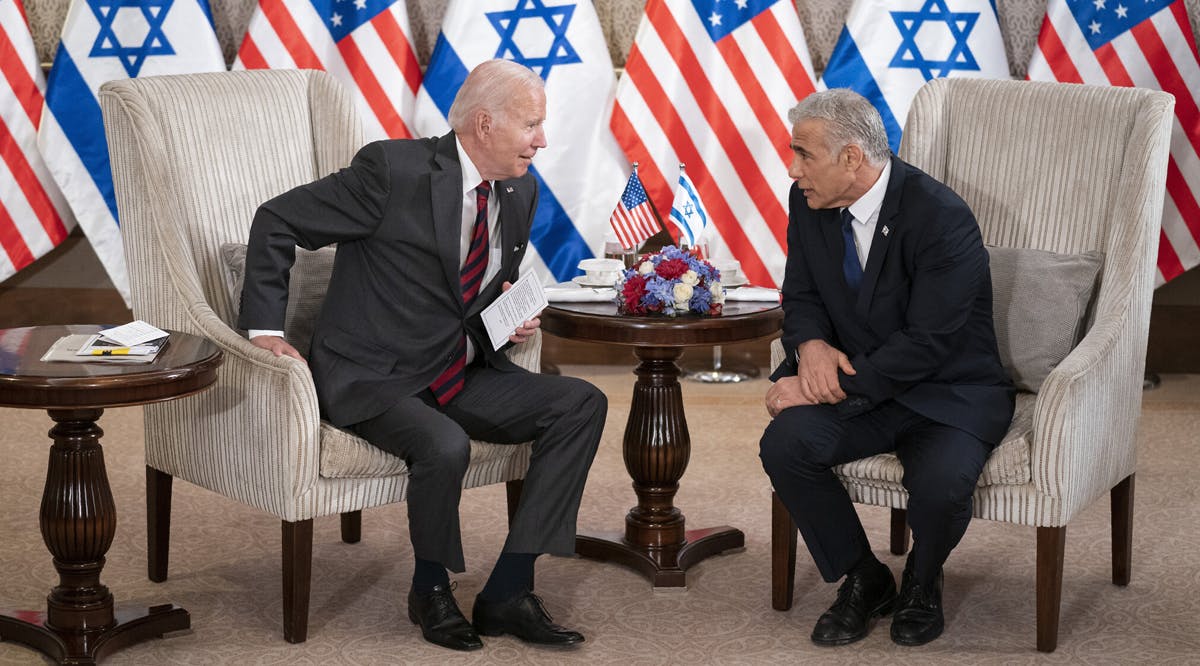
x=306, y=288
x=1040, y=302
x=1009, y=463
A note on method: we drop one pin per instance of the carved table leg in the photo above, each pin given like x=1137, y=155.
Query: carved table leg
x=657, y=449
x=78, y=521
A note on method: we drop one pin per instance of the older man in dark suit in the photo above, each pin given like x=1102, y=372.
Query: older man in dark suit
x=429, y=232
x=887, y=302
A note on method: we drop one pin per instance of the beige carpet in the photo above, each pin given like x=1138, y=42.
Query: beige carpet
x=225, y=563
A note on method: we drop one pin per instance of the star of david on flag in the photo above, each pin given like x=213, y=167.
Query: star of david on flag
x=365, y=44
x=581, y=171
x=888, y=49
x=34, y=217
x=1148, y=44
x=103, y=40
x=708, y=83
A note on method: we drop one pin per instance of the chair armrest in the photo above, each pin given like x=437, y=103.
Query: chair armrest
x=528, y=354
x=1085, y=421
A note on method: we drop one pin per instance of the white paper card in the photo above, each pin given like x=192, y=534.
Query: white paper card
x=520, y=303
x=133, y=333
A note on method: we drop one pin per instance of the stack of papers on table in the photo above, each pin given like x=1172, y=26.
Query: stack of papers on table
x=136, y=342
x=571, y=292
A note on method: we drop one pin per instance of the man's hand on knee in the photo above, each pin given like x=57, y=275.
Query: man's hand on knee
x=817, y=371
x=783, y=394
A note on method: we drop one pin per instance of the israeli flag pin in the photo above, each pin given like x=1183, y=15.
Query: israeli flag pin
x=508, y=189
x=884, y=231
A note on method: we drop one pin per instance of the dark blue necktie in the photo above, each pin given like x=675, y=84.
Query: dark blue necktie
x=851, y=268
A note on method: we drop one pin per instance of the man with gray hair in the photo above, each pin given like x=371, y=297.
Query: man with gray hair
x=429, y=232
x=887, y=301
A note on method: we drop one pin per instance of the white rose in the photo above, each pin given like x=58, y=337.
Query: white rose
x=683, y=292
x=646, y=268
x=718, y=292
x=690, y=277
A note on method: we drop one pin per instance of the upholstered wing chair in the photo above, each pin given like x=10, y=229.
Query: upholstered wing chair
x=1078, y=171
x=192, y=158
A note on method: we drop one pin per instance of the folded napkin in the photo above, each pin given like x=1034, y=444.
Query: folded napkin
x=569, y=292
x=752, y=294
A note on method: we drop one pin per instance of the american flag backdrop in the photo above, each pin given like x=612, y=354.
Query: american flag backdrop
x=34, y=217
x=365, y=44
x=1148, y=44
x=709, y=83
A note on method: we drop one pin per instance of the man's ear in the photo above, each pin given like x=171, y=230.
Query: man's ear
x=853, y=154
x=483, y=124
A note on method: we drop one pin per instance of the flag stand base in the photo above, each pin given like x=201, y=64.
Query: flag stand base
x=718, y=371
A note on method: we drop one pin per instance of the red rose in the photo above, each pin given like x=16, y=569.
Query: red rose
x=671, y=268
x=714, y=309
x=632, y=291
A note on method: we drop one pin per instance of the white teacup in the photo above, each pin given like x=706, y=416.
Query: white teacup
x=730, y=270
x=604, y=271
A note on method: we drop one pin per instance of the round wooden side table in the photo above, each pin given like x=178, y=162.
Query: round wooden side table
x=78, y=516
x=657, y=445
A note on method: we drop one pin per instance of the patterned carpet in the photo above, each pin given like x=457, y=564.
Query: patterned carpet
x=225, y=563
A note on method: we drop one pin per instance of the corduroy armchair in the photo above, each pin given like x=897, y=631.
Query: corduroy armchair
x=192, y=158
x=1068, y=169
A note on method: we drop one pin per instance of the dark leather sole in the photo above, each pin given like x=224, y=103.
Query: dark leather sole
x=499, y=631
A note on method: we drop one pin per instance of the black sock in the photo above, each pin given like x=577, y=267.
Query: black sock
x=512, y=575
x=868, y=562
x=427, y=575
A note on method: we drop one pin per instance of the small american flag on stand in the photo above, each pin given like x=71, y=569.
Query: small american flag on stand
x=633, y=220
x=364, y=44
x=1147, y=44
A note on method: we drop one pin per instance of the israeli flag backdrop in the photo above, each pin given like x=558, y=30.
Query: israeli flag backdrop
x=582, y=170
x=104, y=40
x=888, y=49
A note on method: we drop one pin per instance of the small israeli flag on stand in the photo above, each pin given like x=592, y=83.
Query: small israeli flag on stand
x=103, y=40
x=687, y=213
x=890, y=48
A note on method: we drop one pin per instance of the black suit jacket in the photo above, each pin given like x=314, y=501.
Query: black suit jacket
x=394, y=312
x=920, y=329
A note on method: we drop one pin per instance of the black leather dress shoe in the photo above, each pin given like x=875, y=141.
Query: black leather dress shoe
x=523, y=616
x=918, y=617
x=863, y=597
x=442, y=623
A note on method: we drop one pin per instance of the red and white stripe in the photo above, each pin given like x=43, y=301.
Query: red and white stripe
x=1159, y=53
x=633, y=227
x=720, y=109
x=376, y=61
x=34, y=217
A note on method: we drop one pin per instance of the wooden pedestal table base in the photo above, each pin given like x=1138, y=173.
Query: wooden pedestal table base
x=657, y=444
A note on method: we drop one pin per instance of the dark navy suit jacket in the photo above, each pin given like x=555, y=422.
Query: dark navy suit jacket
x=919, y=330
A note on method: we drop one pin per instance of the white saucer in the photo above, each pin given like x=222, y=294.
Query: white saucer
x=583, y=281
x=737, y=282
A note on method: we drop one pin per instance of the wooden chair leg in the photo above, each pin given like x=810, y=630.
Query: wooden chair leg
x=513, y=495
x=783, y=555
x=352, y=526
x=900, y=532
x=1122, y=531
x=297, y=578
x=158, y=523
x=1050, y=546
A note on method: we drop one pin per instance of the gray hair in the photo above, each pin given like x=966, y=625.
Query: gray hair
x=488, y=88
x=849, y=118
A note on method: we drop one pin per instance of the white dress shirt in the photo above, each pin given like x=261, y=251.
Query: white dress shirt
x=866, y=214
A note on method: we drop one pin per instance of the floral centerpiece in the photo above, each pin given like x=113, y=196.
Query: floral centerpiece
x=671, y=282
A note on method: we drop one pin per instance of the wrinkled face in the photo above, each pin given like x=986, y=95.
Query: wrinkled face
x=826, y=178
x=511, y=138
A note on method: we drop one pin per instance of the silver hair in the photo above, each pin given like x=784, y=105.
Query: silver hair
x=488, y=88
x=849, y=119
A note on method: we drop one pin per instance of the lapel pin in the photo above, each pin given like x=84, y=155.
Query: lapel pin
x=508, y=189
x=516, y=248
x=884, y=231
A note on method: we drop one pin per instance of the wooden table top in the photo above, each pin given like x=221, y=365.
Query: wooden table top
x=188, y=364
x=599, y=322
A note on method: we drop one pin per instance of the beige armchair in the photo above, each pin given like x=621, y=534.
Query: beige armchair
x=1069, y=169
x=192, y=158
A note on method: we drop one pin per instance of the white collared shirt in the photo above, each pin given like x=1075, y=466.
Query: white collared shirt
x=866, y=214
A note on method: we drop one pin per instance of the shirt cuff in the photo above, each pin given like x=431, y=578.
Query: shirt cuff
x=256, y=332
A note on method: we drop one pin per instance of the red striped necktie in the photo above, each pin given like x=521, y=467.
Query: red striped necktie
x=450, y=382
